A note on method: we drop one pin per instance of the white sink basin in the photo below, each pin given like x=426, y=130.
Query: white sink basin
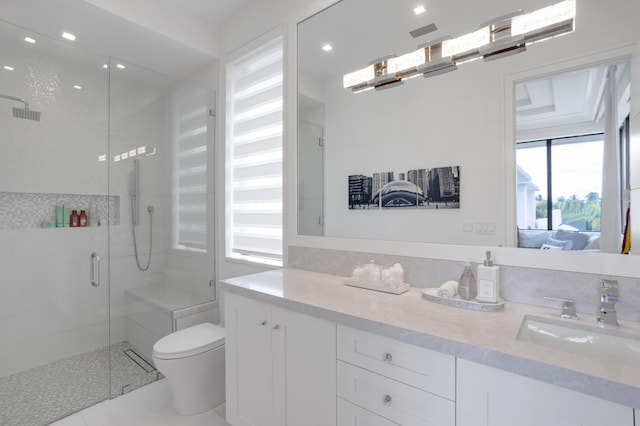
x=596, y=342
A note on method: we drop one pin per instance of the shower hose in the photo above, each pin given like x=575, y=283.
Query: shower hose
x=135, y=243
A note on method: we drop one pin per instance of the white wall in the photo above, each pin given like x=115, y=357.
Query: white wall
x=439, y=122
x=72, y=130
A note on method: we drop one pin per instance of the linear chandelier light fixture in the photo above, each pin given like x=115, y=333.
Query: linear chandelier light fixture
x=501, y=37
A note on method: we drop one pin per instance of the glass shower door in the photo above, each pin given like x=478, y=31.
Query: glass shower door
x=54, y=286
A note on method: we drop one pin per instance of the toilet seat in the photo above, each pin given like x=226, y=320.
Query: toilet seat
x=189, y=341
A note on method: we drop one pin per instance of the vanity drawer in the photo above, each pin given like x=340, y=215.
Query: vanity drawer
x=352, y=415
x=424, y=369
x=393, y=400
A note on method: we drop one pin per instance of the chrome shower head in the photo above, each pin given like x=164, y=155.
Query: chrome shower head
x=25, y=112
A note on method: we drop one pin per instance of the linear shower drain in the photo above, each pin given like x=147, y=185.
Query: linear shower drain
x=142, y=363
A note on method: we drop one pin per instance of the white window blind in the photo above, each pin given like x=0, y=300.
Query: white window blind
x=190, y=170
x=255, y=153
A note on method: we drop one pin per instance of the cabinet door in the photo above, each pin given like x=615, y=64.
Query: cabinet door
x=491, y=397
x=304, y=369
x=249, y=396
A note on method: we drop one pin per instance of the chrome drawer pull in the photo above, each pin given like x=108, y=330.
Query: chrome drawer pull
x=387, y=399
x=387, y=357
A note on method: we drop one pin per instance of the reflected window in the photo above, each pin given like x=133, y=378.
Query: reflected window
x=189, y=171
x=559, y=182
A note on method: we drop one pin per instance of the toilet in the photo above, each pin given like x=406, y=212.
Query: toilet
x=192, y=361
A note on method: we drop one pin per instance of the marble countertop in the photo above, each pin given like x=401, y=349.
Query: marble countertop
x=487, y=338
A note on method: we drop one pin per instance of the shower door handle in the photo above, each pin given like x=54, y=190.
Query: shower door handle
x=94, y=269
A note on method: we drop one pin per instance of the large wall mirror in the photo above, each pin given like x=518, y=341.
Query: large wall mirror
x=469, y=119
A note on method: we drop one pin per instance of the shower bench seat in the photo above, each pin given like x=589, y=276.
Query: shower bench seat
x=155, y=310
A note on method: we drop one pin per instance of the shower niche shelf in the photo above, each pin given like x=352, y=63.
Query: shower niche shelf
x=27, y=210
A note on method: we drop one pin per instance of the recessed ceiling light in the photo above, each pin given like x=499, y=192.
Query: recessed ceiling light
x=419, y=10
x=120, y=66
x=30, y=40
x=68, y=36
x=77, y=87
x=8, y=68
x=105, y=66
x=327, y=47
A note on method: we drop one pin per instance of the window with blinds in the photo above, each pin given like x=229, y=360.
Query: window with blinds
x=255, y=153
x=190, y=170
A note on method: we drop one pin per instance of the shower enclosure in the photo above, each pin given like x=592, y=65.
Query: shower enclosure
x=78, y=317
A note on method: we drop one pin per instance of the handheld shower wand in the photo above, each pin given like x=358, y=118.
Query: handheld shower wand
x=134, y=185
x=134, y=182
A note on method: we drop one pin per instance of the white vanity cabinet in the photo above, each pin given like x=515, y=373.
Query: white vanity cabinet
x=280, y=366
x=490, y=397
x=384, y=382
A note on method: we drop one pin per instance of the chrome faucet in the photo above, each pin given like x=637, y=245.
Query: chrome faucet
x=609, y=296
x=568, y=307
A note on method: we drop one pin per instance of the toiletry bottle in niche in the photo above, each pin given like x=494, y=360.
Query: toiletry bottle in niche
x=67, y=216
x=75, y=219
x=93, y=215
x=59, y=215
x=82, y=219
x=467, y=286
x=488, y=281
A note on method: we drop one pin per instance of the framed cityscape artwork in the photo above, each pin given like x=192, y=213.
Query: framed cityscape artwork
x=435, y=188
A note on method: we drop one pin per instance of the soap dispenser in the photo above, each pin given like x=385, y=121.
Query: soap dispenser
x=488, y=281
x=467, y=286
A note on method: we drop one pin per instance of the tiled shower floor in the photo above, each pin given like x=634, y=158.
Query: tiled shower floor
x=41, y=395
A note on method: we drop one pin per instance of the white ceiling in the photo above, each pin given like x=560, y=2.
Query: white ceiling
x=211, y=10
x=102, y=28
x=569, y=100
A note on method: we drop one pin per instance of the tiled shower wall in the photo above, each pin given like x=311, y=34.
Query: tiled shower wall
x=28, y=210
x=517, y=284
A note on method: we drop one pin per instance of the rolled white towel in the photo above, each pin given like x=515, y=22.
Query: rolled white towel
x=448, y=290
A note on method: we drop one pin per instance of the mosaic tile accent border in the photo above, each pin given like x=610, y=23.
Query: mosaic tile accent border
x=19, y=210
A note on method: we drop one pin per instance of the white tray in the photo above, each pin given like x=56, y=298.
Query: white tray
x=431, y=294
x=393, y=290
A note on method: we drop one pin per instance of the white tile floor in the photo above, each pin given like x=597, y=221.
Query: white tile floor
x=147, y=406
